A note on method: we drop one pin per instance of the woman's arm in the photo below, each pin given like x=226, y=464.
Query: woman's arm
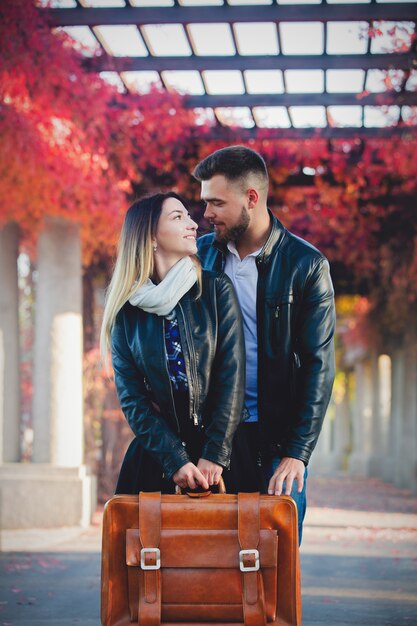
x=227, y=385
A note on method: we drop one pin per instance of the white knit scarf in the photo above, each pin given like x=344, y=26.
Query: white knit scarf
x=164, y=296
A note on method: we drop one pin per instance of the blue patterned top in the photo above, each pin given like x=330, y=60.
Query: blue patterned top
x=175, y=358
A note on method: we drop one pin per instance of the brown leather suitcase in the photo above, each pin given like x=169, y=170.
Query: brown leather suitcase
x=183, y=561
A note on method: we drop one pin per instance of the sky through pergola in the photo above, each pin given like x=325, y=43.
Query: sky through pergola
x=294, y=65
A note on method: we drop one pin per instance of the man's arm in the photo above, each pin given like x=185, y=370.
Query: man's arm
x=315, y=331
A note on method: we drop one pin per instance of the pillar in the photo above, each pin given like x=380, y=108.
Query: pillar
x=362, y=420
x=382, y=413
x=9, y=346
x=342, y=425
x=321, y=459
x=406, y=474
x=398, y=365
x=56, y=489
x=57, y=401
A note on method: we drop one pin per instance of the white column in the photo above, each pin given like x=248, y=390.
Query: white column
x=342, y=426
x=407, y=462
x=9, y=346
x=385, y=392
x=362, y=420
x=334, y=442
x=57, y=489
x=58, y=402
x=382, y=408
x=321, y=459
x=398, y=366
x=374, y=438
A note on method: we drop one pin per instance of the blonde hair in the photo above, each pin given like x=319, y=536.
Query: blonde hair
x=134, y=261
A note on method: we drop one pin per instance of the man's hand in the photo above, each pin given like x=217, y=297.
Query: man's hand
x=210, y=470
x=289, y=470
x=189, y=476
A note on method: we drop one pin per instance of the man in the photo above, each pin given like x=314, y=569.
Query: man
x=287, y=300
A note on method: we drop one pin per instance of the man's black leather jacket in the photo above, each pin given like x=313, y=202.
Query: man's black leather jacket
x=295, y=322
x=212, y=342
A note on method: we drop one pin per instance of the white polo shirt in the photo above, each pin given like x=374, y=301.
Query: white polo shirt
x=244, y=276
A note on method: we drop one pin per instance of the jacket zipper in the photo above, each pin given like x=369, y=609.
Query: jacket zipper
x=193, y=368
x=276, y=314
x=167, y=371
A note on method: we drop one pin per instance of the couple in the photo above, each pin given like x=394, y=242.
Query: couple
x=225, y=370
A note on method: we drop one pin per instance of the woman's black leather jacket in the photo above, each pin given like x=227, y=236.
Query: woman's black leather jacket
x=213, y=346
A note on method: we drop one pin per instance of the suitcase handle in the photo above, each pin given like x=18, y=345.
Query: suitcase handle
x=201, y=493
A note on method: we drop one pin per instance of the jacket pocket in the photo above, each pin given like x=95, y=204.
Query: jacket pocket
x=279, y=314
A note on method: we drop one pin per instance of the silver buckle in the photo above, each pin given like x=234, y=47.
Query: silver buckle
x=246, y=568
x=157, y=553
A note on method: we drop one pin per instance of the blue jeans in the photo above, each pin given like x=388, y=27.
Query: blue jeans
x=299, y=498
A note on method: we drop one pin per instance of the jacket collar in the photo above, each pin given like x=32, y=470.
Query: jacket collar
x=275, y=237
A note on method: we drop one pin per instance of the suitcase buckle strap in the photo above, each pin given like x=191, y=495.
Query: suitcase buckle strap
x=254, y=562
x=156, y=554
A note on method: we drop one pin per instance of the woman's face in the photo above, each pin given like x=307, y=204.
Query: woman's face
x=176, y=232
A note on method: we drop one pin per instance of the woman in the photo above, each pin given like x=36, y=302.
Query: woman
x=177, y=346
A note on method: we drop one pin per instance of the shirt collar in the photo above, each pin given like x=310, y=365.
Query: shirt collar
x=231, y=246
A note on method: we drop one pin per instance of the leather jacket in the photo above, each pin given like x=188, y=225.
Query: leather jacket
x=212, y=342
x=295, y=326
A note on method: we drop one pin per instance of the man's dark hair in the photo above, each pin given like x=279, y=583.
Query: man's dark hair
x=234, y=163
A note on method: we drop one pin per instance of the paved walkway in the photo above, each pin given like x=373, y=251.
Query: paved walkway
x=359, y=563
x=359, y=554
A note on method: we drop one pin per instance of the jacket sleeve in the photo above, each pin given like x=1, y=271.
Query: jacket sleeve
x=314, y=364
x=227, y=386
x=148, y=426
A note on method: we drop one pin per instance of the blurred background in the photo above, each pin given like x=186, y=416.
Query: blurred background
x=103, y=101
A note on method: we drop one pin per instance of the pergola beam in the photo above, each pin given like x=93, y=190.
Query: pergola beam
x=185, y=15
x=245, y=134
x=324, y=99
x=238, y=62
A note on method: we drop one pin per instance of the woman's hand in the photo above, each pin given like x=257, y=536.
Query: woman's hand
x=190, y=476
x=211, y=471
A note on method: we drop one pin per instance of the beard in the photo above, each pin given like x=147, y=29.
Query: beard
x=235, y=232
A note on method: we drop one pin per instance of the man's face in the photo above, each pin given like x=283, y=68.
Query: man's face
x=226, y=208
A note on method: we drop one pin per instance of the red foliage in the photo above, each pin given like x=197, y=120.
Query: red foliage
x=359, y=208
x=55, y=124
x=72, y=146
